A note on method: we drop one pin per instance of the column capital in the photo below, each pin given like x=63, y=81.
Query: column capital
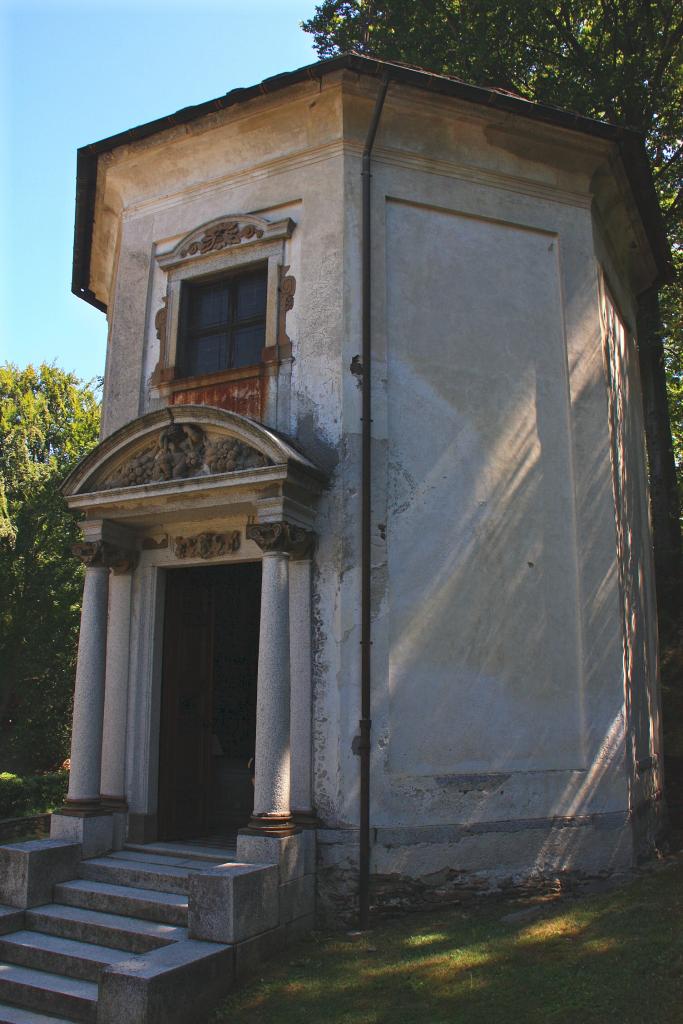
x=100, y=554
x=282, y=537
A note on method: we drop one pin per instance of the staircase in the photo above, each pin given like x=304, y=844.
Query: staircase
x=122, y=908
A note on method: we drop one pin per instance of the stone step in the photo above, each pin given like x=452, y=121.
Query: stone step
x=149, y=904
x=42, y=991
x=43, y=952
x=213, y=854
x=129, y=933
x=172, y=985
x=137, y=874
x=178, y=858
x=15, y=1015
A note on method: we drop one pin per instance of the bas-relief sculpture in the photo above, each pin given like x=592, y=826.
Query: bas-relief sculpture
x=230, y=232
x=207, y=545
x=181, y=451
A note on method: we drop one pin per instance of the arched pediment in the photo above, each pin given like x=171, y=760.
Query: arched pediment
x=231, y=231
x=182, y=444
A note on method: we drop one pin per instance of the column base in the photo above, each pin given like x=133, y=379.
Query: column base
x=113, y=803
x=94, y=831
x=306, y=819
x=270, y=825
x=82, y=808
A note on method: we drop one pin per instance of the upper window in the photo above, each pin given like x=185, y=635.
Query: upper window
x=222, y=322
x=223, y=312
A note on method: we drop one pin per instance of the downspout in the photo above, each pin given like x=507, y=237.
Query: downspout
x=363, y=745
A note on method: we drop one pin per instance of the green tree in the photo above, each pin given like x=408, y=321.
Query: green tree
x=614, y=59
x=48, y=420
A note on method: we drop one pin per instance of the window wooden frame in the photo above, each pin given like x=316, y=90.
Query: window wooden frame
x=253, y=242
x=190, y=335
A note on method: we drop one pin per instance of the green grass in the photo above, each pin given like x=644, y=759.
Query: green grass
x=610, y=958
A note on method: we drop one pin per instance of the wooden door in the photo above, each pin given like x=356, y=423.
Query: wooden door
x=185, y=740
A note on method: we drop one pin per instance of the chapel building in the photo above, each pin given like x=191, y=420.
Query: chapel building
x=506, y=638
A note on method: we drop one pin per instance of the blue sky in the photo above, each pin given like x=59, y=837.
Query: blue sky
x=75, y=72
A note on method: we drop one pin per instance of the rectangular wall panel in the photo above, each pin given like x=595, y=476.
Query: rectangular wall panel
x=484, y=661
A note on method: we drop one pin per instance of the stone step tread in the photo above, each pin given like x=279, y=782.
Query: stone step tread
x=15, y=1015
x=127, y=900
x=59, y=984
x=43, y=942
x=124, y=867
x=135, y=874
x=130, y=925
x=163, y=865
x=131, y=892
x=214, y=854
x=161, y=859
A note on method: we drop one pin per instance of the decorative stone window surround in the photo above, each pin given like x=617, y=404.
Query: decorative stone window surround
x=210, y=250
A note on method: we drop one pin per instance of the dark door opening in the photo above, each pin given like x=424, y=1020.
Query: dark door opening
x=208, y=699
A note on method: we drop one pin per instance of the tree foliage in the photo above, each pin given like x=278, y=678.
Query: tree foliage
x=614, y=59
x=48, y=420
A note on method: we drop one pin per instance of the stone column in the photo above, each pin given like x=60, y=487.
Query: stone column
x=112, y=784
x=272, y=814
x=300, y=670
x=86, y=735
x=83, y=819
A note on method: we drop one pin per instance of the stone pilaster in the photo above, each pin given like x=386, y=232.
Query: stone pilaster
x=116, y=687
x=301, y=682
x=272, y=811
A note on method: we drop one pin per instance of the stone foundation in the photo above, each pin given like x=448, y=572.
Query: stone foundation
x=418, y=868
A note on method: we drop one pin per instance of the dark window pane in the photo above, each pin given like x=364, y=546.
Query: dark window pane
x=207, y=354
x=209, y=304
x=247, y=345
x=251, y=296
x=223, y=323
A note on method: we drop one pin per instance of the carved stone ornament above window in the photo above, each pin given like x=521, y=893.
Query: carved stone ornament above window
x=225, y=233
x=181, y=451
x=228, y=232
x=207, y=545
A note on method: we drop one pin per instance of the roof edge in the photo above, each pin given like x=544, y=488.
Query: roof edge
x=630, y=142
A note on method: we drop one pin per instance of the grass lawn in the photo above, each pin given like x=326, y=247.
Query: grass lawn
x=615, y=957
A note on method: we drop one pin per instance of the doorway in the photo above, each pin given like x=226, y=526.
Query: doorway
x=208, y=700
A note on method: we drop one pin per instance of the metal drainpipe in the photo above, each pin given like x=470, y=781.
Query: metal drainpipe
x=363, y=745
